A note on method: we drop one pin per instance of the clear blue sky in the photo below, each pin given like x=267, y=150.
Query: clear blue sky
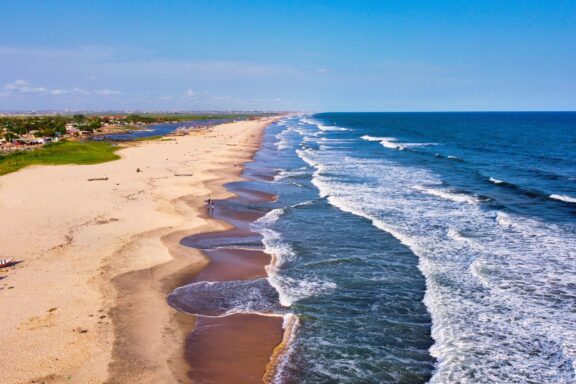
x=356, y=55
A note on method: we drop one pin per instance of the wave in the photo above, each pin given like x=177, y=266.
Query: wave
x=564, y=198
x=461, y=235
x=222, y=298
x=488, y=286
x=392, y=143
x=302, y=204
x=287, y=174
x=308, y=120
x=524, y=191
x=448, y=157
x=503, y=220
x=224, y=240
x=269, y=218
x=387, y=142
x=290, y=325
x=328, y=128
x=531, y=193
x=448, y=194
x=323, y=127
x=283, y=141
x=289, y=290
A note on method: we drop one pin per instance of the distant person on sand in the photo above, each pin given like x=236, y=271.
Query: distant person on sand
x=210, y=206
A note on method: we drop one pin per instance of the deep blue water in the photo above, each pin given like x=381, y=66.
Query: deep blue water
x=423, y=247
x=426, y=247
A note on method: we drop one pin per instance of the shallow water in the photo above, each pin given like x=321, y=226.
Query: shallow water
x=422, y=247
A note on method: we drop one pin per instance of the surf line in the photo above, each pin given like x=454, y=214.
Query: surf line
x=242, y=333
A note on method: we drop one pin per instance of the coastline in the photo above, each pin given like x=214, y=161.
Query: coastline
x=237, y=346
x=127, y=231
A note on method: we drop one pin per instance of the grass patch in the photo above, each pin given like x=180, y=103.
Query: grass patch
x=68, y=152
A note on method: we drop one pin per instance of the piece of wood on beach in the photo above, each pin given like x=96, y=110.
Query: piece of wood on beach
x=183, y=174
x=6, y=262
x=98, y=179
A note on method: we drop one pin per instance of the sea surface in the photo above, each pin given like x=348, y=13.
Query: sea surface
x=422, y=247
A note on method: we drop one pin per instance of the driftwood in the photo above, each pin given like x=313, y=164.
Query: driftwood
x=6, y=262
x=183, y=174
x=98, y=179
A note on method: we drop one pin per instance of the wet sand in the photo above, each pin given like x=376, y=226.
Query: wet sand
x=232, y=349
x=237, y=348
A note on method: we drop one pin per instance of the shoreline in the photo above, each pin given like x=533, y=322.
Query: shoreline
x=125, y=231
x=232, y=347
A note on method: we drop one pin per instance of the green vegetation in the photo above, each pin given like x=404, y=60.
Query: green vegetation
x=91, y=152
x=45, y=126
x=11, y=127
x=50, y=126
x=155, y=117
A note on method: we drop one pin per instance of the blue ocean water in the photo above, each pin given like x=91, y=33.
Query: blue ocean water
x=424, y=247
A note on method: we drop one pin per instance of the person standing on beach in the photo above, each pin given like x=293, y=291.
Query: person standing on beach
x=210, y=206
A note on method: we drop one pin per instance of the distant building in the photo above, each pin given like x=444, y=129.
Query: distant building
x=71, y=129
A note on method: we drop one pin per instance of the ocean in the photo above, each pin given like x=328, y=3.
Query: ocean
x=421, y=247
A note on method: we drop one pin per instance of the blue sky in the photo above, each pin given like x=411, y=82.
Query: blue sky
x=356, y=55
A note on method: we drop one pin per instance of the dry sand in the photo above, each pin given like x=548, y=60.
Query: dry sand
x=86, y=302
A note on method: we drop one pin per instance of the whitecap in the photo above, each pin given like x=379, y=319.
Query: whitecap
x=447, y=194
x=500, y=301
x=564, y=198
x=495, y=181
x=392, y=142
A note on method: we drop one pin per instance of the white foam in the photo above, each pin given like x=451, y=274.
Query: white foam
x=499, y=286
x=374, y=138
x=303, y=204
x=504, y=220
x=495, y=181
x=222, y=298
x=284, y=138
x=290, y=324
x=409, y=145
x=328, y=128
x=289, y=290
x=447, y=194
x=285, y=174
x=564, y=198
x=308, y=120
x=387, y=142
x=269, y=218
x=392, y=142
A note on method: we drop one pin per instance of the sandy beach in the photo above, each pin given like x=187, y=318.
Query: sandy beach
x=236, y=348
x=86, y=301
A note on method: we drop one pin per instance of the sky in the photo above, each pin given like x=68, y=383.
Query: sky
x=355, y=55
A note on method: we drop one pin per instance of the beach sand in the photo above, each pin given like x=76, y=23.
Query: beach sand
x=86, y=302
